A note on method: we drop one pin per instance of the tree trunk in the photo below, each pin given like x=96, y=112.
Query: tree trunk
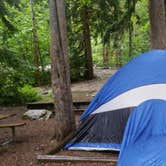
x=106, y=56
x=117, y=52
x=87, y=44
x=36, y=45
x=64, y=119
x=157, y=24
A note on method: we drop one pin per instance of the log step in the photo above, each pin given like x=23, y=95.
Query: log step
x=50, y=105
x=76, y=158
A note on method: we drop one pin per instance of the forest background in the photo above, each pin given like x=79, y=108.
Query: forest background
x=100, y=33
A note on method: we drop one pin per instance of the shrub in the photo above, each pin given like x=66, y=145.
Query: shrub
x=29, y=94
x=12, y=88
x=10, y=80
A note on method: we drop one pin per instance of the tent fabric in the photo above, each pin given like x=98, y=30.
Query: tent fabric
x=136, y=95
x=146, y=69
x=104, y=121
x=144, y=140
x=100, y=131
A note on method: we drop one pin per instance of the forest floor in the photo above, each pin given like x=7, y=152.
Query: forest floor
x=35, y=137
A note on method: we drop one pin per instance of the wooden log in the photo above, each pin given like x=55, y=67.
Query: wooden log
x=75, y=158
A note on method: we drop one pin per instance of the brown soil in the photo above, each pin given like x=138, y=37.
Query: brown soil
x=35, y=137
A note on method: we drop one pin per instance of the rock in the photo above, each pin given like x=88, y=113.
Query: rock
x=35, y=114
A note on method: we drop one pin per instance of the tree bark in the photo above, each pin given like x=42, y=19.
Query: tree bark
x=106, y=56
x=36, y=45
x=64, y=119
x=157, y=24
x=87, y=44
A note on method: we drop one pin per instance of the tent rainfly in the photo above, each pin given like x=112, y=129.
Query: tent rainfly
x=144, y=140
x=103, y=122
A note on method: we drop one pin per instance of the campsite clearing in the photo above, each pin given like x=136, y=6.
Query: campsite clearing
x=35, y=138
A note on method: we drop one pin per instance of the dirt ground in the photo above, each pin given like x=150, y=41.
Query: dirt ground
x=86, y=90
x=35, y=137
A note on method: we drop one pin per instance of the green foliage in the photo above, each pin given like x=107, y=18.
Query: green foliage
x=12, y=88
x=141, y=41
x=119, y=39
x=10, y=58
x=5, y=14
x=21, y=42
x=77, y=67
x=29, y=94
x=46, y=77
x=10, y=81
x=75, y=38
x=109, y=24
x=97, y=52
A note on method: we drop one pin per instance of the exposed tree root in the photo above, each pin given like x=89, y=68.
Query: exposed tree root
x=60, y=144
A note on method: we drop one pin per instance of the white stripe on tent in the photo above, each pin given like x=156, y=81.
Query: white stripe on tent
x=134, y=97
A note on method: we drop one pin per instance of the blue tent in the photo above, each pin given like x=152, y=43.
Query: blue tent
x=102, y=124
x=144, y=140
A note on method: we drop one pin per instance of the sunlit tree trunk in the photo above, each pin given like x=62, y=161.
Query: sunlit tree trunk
x=157, y=24
x=87, y=44
x=36, y=46
x=64, y=119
